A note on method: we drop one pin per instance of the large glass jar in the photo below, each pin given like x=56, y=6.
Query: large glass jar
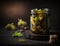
x=39, y=21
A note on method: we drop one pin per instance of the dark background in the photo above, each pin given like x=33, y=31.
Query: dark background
x=31, y=4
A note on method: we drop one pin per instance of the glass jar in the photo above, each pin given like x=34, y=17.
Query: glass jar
x=39, y=21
